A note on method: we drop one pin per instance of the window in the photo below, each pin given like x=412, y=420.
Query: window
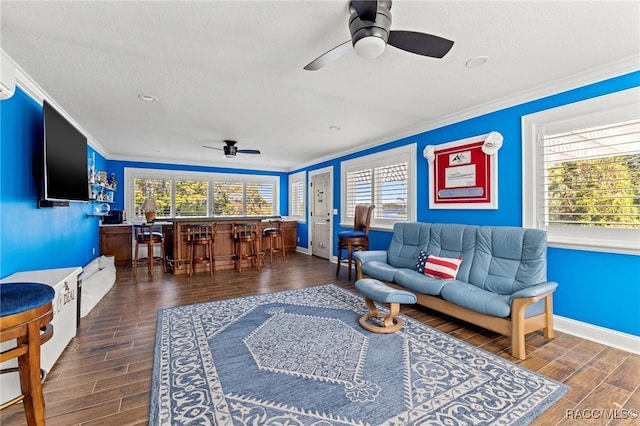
x=582, y=180
x=190, y=194
x=386, y=179
x=297, y=196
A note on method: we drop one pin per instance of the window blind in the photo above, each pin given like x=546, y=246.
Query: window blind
x=297, y=199
x=259, y=197
x=591, y=176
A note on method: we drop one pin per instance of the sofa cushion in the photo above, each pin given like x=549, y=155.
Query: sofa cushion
x=419, y=282
x=407, y=241
x=471, y=297
x=454, y=240
x=379, y=270
x=442, y=267
x=508, y=259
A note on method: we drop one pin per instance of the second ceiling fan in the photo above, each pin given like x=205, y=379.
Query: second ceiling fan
x=230, y=149
x=370, y=24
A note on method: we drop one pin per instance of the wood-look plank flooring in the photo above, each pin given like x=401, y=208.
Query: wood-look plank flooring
x=104, y=375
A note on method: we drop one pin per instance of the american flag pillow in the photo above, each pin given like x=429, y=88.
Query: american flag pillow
x=422, y=260
x=442, y=267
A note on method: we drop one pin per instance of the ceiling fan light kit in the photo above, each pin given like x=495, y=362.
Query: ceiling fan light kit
x=369, y=25
x=369, y=37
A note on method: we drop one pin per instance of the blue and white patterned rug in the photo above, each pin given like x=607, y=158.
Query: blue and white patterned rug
x=299, y=357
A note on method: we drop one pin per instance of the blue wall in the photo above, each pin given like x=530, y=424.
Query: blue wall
x=33, y=238
x=598, y=288
x=607, y=298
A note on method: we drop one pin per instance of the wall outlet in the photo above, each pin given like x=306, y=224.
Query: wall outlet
x=93, y=250
x=298, y=239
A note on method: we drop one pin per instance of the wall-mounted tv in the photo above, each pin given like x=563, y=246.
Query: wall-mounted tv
x=64, y=160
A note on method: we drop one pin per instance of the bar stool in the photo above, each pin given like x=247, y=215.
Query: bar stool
x=146, y=236
x=355, y=240
x=26, y=312
x=202, y=235
x=246, y=236
x=276, y=239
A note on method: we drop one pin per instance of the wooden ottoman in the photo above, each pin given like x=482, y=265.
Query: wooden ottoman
x=376, y=291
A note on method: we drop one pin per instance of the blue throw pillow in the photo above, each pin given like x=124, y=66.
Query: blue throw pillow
x=422, y=260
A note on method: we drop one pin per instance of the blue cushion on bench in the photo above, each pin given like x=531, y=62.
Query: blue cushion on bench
x=21, y=297
x=375, y=290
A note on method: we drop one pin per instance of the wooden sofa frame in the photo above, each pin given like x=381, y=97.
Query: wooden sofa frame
x=516, y=327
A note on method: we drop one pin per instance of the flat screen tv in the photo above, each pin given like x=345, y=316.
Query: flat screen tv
x=64, y=160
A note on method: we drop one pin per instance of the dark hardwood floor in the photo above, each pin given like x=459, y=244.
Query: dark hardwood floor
x=104, y=375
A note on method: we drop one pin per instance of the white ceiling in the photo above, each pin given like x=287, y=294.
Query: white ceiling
x=234, y=70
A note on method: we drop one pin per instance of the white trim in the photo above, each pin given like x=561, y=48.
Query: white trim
x=616, y=339
x=295, y=178
x=624, y=241
x=38, y=94
x=370, y=161
x=303, y=250
x=328, y=169
x=173, y=174
x=593, y=75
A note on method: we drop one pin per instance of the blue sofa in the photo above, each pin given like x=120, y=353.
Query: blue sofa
x=501, y=283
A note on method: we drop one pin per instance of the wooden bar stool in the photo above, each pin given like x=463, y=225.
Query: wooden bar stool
x=246, y=237
x=355, y=240
x=146, y=236
x=276, y=239
x=26, y=311
x=202, y=235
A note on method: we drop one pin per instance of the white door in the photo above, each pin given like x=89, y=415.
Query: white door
x=321, y=216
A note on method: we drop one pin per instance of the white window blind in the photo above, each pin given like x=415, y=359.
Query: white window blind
x=581, y=180
x=387, y=180
x=259, y=199
x=297, y=196
x=228, y=198
x=592, y=176
x=391, y=191
x=191, y=198
x=358, y=189
x=183, y=193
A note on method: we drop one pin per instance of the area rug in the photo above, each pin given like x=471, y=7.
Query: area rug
x=299, y=357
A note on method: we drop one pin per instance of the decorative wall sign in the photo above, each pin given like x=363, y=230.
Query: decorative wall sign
x=463, y=174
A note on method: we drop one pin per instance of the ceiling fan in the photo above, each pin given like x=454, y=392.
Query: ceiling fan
x=230, y=149
x=370, y=24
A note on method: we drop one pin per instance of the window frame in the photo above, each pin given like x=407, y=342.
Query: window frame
x=599, y=110
x=406, y=153
x=299, y=178
x=131, y=173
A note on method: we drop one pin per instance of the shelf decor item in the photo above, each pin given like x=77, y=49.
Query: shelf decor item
x=149, y=207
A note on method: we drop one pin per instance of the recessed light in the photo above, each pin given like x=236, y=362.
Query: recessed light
x=477, y=61
x=334, y=128
x=147, y=98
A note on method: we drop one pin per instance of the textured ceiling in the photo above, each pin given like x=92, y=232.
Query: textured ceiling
x=234, y=70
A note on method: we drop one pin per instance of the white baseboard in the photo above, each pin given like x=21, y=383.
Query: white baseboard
x=606, y=336
x=302, y=250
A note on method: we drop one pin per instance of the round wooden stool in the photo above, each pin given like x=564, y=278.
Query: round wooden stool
x=26, y=311
x=376, y=291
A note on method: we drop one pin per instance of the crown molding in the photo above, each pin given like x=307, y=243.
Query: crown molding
x=591, y=76
x=594, y=75
x=38, y=94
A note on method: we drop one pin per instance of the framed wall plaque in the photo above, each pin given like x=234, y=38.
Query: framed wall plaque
x=463, y=174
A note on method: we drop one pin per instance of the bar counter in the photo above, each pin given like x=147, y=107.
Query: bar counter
x=177, y=249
